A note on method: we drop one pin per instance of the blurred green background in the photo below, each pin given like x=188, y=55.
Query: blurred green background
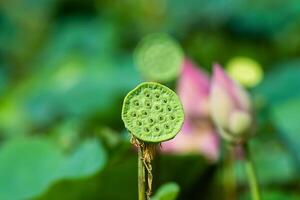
x=65, y=67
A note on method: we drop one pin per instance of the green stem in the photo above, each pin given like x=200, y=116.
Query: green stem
x=230, y=181
x=252, y=179
x=141, y=176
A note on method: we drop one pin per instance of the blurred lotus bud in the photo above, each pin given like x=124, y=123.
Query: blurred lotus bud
x=230, y=107
x=198, y=134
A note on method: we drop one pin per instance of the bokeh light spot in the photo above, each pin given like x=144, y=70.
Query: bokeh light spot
x=245, y=70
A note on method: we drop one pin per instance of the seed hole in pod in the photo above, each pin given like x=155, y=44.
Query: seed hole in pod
x=146, y=129
x=136, y=103
x=148, y=104
x=133, y=114
x=147, y=93
x=156, y=129
x=167, y=126
x=161, y=118
x=172, y=117
x=165, y=100
x=139, y=123
x=157, y=107
x=150, y=120
x=169, y=108
x=157, y=96
x=145, y=113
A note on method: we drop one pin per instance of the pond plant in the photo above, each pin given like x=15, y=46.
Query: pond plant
x=152, y=113
x=231, y=111
x=198, y=134
x=152, y=117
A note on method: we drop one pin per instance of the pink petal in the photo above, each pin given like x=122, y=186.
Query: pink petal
x=221, y=105
x=238, y=95
x=201, y=141
x=193, y=89
x=197, y=134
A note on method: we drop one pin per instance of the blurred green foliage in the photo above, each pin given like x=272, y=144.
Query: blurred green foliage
x=168, y=191
x=41, y=164
x=65, y=67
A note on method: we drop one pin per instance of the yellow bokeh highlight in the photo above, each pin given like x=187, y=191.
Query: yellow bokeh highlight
x=245, y=70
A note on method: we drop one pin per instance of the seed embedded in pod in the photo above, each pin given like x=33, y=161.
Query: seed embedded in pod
x=157, y=130
x=150, y=120
x=169, y=108
x=157, y=107
x=144, y=112
x=161, y=118
x=139, y=123
x=148, y=104
x=136, y=103
x=146, y=129
x=172, y=117
x=133, y=114
x=147, y=93
x=157, y=95
x=157, y=123
x=166, y=126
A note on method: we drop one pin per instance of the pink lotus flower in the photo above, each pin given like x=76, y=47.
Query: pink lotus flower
x=230, y=107
x=197, y=134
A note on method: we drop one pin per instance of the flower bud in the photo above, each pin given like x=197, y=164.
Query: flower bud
x=230, y=107
x=198, y=134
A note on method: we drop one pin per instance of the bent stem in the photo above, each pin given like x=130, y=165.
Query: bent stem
x=251, y=175
x=141, y=176
x=229, y=174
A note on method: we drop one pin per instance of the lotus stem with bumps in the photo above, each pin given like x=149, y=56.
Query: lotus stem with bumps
x=152, y=113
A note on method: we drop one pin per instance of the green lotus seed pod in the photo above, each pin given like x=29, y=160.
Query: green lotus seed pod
x=152, y=112
x=159, y=58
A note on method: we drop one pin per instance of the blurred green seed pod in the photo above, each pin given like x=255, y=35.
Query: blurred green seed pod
x=152, y=112
x=159, y=57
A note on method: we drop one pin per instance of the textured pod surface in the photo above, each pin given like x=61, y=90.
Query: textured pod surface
x=159, y=57
x=152, y=112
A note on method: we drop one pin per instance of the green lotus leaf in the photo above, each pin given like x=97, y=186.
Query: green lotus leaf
x=168, y=191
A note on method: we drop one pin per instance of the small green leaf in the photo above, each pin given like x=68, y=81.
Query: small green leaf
x=168, y=191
